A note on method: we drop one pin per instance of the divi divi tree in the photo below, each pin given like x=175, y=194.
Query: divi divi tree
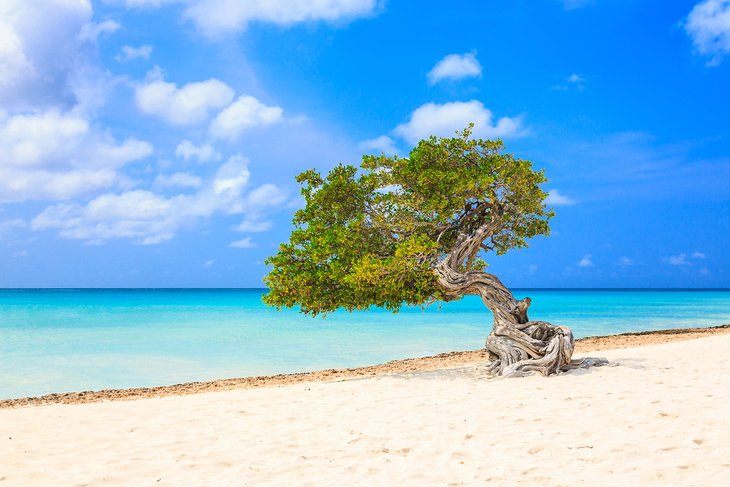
x=414, y=230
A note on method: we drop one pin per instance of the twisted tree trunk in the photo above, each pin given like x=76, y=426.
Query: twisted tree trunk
x=516, y=345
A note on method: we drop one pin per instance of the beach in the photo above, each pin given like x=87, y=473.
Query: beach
x=657, y=415
x=364, y=242
x=60, y=340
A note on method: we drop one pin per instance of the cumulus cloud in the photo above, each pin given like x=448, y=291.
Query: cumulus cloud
x=202, y=153
x=575, y=78
x=244, y=243
x=178, y=180
x=129, y=53
x=219, y=17
x=183, y=106
x=679, y=259
x=444, y=120
x=56, y=155
x=50, y=85
x=554, y=198
x=92, y=30
x=243, y=114
x=684, y=259
x=625, y=262
x=53, y=149
x=586, y=261
x=231, y=176
x=252, y=225
x=256, y=204
x=143, y=3
x=382, y=144
x=264, y=196
x=137, y=214
x=149, y=218
x=46, y=60
x=574, y=81
x=215, y=17
x=455, y=67
x=708, y=25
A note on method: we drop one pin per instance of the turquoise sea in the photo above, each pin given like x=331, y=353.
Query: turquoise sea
x=59, y=340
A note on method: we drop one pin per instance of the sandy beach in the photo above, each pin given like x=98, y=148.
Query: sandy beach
x=658, y=415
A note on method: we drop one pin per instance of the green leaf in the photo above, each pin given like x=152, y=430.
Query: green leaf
x=371, y=236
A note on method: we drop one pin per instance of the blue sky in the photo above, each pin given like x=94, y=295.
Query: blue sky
x=154, y=143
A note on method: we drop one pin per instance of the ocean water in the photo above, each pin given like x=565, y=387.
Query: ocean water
x=79, y=339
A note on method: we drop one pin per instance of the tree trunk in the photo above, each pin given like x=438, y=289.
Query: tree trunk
x=516, y=345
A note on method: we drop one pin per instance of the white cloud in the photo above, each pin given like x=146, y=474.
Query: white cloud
x=187, y=105
x=586, y=261
x=680, y=260
x=150, y=218
x=708, y=25
x=575, y=80
x=217, y=17
x=625, y=262
x=243, y=114
x=245, y=243
x=455, y=67
x=265, y=196
x=203, y=153
x=55, y=155
x=683, y=259
x=135, y=214
x=444, y=120
x=143, y=3
x=554, y=198
x=250, y=225
x=91, y=31
x=178, y=180
x=232, y=176
x=257, y=203
x=382, y=144
x=46, y=60
x=208, y=263
x=129, y=53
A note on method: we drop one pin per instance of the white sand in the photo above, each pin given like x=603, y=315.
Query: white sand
x=661, y=417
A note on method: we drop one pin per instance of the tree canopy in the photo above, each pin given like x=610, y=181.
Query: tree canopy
x=373, y=235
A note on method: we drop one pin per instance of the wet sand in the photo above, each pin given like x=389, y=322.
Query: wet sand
x=444, y=360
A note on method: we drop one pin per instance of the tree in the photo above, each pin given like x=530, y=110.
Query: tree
x=410, y=231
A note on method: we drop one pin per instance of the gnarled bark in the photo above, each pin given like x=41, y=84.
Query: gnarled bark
x=516, y=345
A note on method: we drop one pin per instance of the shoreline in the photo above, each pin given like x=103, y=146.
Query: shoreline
x=440, y=361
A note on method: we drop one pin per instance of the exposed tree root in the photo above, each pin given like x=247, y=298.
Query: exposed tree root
x=517, y=346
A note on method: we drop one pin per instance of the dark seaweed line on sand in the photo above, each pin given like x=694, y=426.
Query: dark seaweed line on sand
x=442, y=360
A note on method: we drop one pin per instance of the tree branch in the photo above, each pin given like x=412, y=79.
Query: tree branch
x=467, y=246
